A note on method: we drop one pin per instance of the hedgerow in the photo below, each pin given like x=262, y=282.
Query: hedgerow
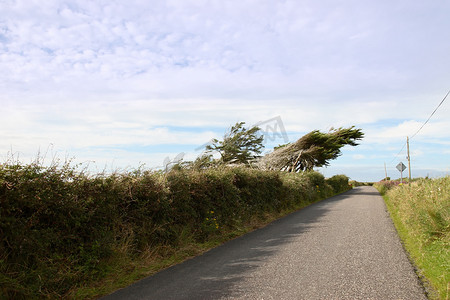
x=61, y=227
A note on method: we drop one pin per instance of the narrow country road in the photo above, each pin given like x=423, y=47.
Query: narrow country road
x=345, y=247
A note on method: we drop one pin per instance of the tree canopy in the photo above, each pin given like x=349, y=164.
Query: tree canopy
x=239, y=145
x=314, y=149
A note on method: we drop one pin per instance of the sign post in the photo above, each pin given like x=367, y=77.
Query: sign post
x=401, y=167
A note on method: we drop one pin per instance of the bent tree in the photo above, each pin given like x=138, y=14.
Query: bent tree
x=240, y=145
x=314, y=149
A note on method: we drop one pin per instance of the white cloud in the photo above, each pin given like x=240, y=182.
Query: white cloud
x=436, y=131
x=83, y=74
x=110, y=41
x=359, y=156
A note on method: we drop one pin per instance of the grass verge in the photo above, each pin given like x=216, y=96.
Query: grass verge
x=421, y=214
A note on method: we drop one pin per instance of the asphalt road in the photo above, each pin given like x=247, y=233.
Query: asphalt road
x=345, y=247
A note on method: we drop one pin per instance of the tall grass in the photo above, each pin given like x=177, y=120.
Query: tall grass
x=421, y=213
x=62, y=229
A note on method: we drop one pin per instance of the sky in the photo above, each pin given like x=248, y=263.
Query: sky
x=116, y=85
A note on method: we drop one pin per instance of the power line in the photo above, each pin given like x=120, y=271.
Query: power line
x=430, y=116
x=399, y=152
x=403, y=147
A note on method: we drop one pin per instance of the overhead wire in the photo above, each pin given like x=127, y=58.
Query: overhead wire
x=434, y=111
x=430, y=116
x=403, y=147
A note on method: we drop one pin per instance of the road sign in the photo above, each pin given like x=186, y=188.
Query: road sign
x=401, y=167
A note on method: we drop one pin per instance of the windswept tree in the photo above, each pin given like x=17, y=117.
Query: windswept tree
x=239, y=145
x=314, y=149
x=204, y=161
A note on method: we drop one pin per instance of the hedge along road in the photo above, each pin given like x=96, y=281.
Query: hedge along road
x=344, y=247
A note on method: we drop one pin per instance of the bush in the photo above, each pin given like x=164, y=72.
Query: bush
x=355, y=183
x=297, y=190
x=61, y=228
x=385, y=185
x=49, y=221
x=339, y=183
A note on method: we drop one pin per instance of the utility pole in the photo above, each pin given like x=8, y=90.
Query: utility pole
x=385, y=172
x=409, y=159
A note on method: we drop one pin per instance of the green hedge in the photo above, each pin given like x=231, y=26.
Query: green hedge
x=59, y=228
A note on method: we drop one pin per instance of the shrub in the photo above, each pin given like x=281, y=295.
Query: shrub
x=339, y=183
x=60, y=227
x=297, y=190
x=385, y=185
x=49, y=221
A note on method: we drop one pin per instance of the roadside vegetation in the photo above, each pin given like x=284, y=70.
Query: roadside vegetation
x=421, y=213
x=67, y=234
x=355, y=183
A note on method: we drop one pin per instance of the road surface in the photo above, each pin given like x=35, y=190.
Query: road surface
x=345, y=247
